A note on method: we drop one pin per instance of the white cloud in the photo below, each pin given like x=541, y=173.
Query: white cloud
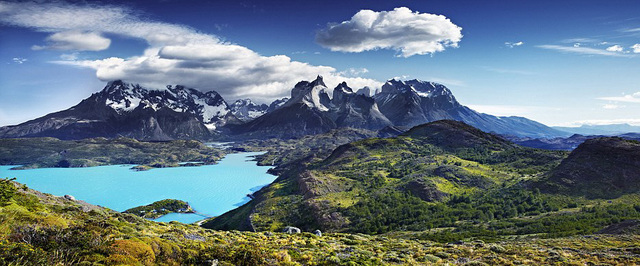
x=57, y=17
x=69, y=57
x=354, y=72
x=75, y=40
x=410, y=33
x=19, y=60
x=582, y=50
x=507, y=71
x=636, y=48
x=513, y=44
x=611, y=106
x=615, y=48
x=176, y=54
x=576, y=45
x=629, y=98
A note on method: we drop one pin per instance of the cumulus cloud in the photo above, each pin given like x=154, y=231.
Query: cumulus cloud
x=75, y=40
x=410, y=33
x=629, y=98
x=636, y=48
x=176, y=54
x=583, y=50
x=615, y=48
x=513, y=44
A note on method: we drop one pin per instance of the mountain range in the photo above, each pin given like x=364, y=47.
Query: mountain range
x=178, y=112
x=613, y=129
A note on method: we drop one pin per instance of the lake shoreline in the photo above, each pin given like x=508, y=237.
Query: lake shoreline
x=210, y=189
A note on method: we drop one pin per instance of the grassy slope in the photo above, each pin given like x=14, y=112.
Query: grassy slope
x=51, y=152
x=446, y=187
x=40, y=229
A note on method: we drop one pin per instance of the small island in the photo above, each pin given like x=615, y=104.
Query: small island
x=160, y=208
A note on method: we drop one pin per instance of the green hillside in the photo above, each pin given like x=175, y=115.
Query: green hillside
x=41, y=229
x=445, y=180
x=598, y=168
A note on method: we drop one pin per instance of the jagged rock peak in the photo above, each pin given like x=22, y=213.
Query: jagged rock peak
x=318, y=82
x=339, y=93
x=313, y=94
x=366, y=91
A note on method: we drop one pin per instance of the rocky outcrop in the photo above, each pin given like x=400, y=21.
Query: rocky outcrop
x=598, y=168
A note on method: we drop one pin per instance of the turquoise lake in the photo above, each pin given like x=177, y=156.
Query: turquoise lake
x=211, y=189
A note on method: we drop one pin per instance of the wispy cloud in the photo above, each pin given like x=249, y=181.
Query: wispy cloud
x=628, y=98
x=583, y=50
x=513, y=44
x=410, y=33
x=511, y=110
x=19, y=60
x=354, y=72
x=612, y=106
x=75, y=40
x=580, y=40
x=507, y=71
x=447, y=81
x=635, y=48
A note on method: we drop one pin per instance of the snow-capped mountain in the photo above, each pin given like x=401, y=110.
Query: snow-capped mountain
x=277, y=104
x=123, y=109
x=177, y=112
x=246, y=110
x=414, y=102
x=310, y=111
x=356, y=110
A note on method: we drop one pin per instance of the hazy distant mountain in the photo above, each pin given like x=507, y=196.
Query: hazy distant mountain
x=416, y=102
x=613, y=129
x=123, y=109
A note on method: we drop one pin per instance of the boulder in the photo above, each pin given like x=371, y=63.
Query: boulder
x=291, y=230
x=317, y=232
x=69, y=197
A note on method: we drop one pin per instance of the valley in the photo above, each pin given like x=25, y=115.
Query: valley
x=434, y=182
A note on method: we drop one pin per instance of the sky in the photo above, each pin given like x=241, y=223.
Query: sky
x=562, y=63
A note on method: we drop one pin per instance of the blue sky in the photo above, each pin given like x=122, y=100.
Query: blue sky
x=566, y=63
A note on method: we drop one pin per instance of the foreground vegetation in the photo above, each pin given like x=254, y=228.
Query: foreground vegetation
x=40, y=229
x=52, y=152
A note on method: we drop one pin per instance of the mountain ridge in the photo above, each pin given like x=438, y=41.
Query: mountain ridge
x=177, y=112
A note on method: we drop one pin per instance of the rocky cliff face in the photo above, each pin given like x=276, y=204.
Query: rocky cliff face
x=311, y=111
